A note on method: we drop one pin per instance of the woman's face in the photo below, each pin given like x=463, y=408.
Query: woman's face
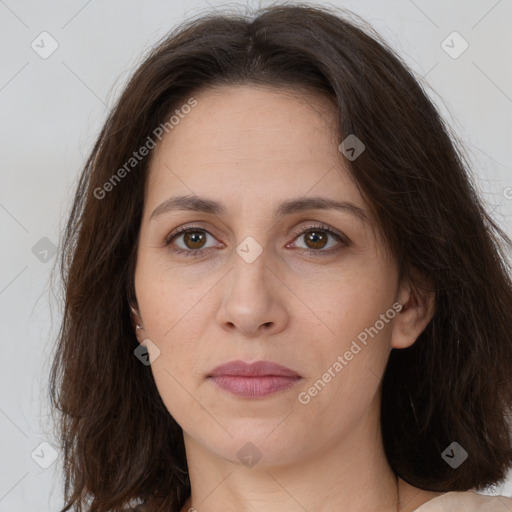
x=267, y=282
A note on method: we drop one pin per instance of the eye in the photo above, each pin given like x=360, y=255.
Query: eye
x=316, y=239
x=193, y=240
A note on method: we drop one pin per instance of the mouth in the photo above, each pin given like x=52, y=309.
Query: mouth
x=255, y=380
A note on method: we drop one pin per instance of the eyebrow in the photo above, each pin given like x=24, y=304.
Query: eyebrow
x=201, y=204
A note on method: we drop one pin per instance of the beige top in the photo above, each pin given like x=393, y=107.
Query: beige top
x=468, y=501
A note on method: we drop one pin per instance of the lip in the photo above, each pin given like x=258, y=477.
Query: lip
x=256, y=369
x=253, y=380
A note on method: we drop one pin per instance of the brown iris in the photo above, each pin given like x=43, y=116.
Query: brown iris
x=317, y=238
x=194, y=237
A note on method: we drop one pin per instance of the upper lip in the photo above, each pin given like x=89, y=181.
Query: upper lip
x=256, y=369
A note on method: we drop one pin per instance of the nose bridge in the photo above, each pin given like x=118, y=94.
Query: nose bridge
x=250, y=250
x=248, y=302
x=250, y=263
x=252, y=253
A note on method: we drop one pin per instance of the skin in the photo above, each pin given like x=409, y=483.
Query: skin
x=251, y=148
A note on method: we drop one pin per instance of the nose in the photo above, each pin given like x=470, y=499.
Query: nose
x=253, y=298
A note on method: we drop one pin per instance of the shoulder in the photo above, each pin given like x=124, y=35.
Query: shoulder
x=468, y=501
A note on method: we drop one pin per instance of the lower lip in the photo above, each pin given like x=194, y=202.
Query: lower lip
x=254, y=387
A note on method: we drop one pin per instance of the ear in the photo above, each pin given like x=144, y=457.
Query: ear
x=416, y=313
x=137, y=320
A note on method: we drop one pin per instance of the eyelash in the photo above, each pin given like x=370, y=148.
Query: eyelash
x=199, y=252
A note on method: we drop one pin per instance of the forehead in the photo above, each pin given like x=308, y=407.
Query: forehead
x=257, y=139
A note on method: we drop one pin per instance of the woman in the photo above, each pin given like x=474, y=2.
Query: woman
x=282, y=291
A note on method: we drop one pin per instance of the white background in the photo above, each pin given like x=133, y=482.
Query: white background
x=51, y=112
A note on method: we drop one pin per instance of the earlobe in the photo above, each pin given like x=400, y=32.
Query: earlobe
x=416, y=313
x=136, y=323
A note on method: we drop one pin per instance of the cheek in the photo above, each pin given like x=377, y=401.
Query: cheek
x=171, y=299
x=356, y=319
x=175, y=318
x=353, y=300
x=340, y=390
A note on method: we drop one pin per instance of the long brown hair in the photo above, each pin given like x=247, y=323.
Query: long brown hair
x=119, y=442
